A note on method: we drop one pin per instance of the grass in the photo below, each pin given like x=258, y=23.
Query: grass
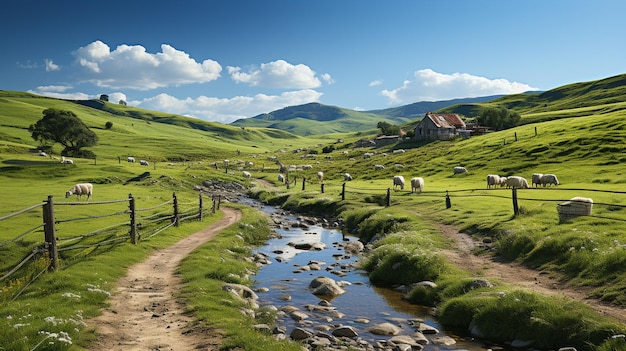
x=584, y=147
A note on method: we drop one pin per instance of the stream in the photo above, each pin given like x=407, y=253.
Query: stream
x=285, y=282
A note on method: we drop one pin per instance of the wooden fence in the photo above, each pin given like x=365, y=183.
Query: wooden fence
x=63, y=236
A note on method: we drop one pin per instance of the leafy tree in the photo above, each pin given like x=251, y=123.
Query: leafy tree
x=498, y=118
x=108, y=125
x=64, y=127
x=388, y=128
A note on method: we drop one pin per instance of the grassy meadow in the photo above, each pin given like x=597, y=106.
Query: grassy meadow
x=583, y=147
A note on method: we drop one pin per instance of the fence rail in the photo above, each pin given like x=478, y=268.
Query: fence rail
x=58, y=239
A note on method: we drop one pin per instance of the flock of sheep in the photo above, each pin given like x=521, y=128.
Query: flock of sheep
x=494, y=180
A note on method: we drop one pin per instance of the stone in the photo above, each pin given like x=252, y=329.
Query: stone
x=345, y=331
x=299, y=334
x=325, y=286
x=384, y=329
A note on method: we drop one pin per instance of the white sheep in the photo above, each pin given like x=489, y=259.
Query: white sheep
x=549, y=179
x=144, y=163
x=307, y=166
x=536, y=179
x=459, y=170
x=281, y=178
x=503, y=182
x=516, y=182
x=79, y=190
x=417, y=184
x=66, y=161
x=398, y=165
x=398, y=181
x=379, y=167
x=347, y=176
x=493, y=180
x=320, y=175
x=247, y=174
x=130, y=159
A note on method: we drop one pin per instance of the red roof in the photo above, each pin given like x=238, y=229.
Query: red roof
x=446, y=120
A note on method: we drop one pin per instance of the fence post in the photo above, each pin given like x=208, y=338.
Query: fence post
x=214, y=204
x=388, y=199
x=176, y=213
x=133, y=219
x=303, y=183
x=515, y=136
x=287, y=179
x=49, y=232
x=535, y=131
x=448, y=202
x=200, y=207
x=343, y=191
x=219, y=201
x=322, y=187
x=515, y=206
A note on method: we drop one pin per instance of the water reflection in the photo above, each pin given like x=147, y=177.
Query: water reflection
x=361, y=306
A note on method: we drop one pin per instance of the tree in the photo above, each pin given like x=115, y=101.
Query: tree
x=388, y=128
x=64, y=127
x=498, y=118
x=108, y=125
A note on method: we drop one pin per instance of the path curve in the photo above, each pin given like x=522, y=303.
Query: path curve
x=144, y=313
x=515, y=274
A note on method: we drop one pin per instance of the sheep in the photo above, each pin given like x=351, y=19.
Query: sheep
x=79, y=190
x=130, y=159
x=281, y=178
x=398, y=151
x=549, y=179
x=493, y=180
x=144, y=163
x=320, y=175
x=398, y=165
x=503, y=182
x=307, y=166
x=368, y=155
x=417, y=184
x=378, y=167
x=459, y=170
x=398, y=181
x=536, y=179
x=347, y=176
x=66, y=161
x=517, y=182
x=247, y=174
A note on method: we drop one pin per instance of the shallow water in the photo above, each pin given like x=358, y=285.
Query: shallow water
x=361, y=300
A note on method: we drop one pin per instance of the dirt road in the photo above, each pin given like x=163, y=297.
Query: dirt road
x=145, y=315
x=518, y=275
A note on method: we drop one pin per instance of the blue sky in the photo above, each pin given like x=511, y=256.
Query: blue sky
x=224, y=60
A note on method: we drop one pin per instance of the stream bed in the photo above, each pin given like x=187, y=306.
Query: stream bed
x=284, y=283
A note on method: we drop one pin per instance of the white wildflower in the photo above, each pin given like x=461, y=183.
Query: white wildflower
x=71, y=295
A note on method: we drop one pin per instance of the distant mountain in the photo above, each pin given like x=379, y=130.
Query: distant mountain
x=316, y=118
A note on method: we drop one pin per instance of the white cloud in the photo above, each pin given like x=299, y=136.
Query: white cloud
x=227, y=110
x=375, y=83
x=429, y=85
x=131, y=67
x=278, y=74
x=53, y=88
x=51, y=66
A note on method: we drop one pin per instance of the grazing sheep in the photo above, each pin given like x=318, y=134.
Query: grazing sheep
x=347, y=176
x=549, y=179
x=66, y=161
x=281, y=178
x=459, y=170
x=417, y=184
x=493, y=180
x=398, y=165
x=398, y=151
x=247, y=174
x=144, y=163
x=79, y=190
x=368, y=155
x=320, y=175
x=517, y=182
x=41, y=153
x=398, y=181
x=130, y=159
x=379, y=167
x=307, y=166
x=503, y=182
x=536, y=179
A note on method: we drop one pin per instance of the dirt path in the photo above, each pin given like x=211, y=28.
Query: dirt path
x=517, y=275
x=145, y=315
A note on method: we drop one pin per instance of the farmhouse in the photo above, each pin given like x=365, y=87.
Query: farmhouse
x=441, y=126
